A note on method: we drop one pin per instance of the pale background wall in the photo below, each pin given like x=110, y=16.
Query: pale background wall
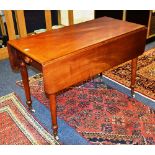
x=79, y=16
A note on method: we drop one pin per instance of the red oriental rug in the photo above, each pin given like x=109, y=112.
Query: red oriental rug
x=145, y=81
x=18, y=127
x=100, y=114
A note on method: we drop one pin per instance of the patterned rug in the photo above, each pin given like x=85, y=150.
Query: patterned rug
x=18, y=127
x=145, y=83
x=101, y=114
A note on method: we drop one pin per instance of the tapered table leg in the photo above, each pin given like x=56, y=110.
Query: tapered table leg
x=133, y=75
x=24, y=74
x=53, y=109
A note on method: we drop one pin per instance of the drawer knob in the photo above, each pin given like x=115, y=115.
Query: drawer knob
x=27, y=60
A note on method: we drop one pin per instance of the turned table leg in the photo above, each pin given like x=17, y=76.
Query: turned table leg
x=53, y=110
x=24, y=74
x=133, y=75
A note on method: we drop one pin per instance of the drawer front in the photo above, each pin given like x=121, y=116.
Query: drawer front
x=16, y=57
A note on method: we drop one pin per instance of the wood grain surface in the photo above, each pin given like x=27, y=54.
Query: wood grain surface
x=57, y=43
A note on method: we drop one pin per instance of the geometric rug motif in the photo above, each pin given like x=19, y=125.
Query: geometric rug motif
x=18, y=127
x=145, y=79
x=100, y=114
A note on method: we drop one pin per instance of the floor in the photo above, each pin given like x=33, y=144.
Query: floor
x=8, y=80
x=66, y=134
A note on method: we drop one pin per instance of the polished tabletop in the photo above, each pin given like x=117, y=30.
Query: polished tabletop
x=60, y=42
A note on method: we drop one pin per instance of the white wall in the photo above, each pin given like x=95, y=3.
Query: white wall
x=79, y=16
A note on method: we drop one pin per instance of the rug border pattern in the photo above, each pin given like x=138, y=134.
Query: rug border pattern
x=47, y=136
